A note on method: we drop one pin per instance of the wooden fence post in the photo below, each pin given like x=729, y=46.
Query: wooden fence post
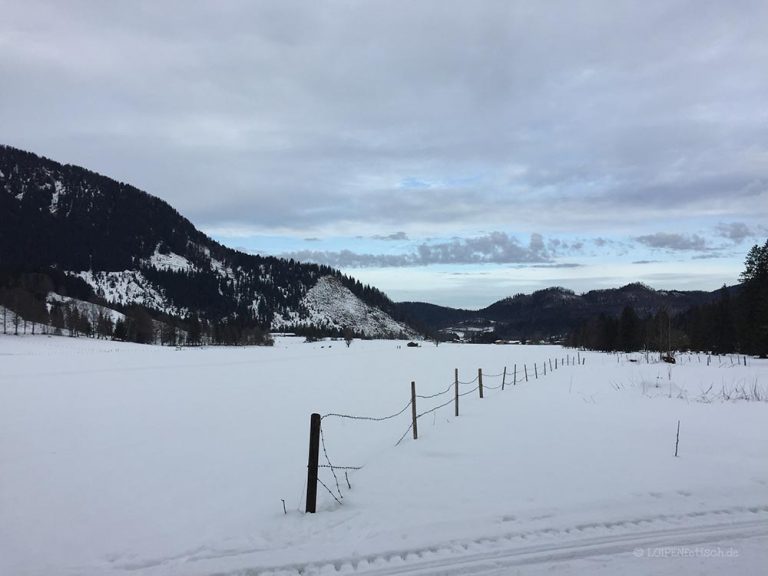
x=555, y=363
x=480, y=381
x=535, y=371
x=314, y=460
x=514, y=379
x=456, y=380
x=504, y=378
x=550, y=364
x=545, y=367
x=525, y=367
x=413, y=410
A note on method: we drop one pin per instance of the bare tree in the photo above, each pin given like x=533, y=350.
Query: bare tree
x=349, y=335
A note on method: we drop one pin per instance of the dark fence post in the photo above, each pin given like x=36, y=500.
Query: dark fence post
x=413, y=410
x=456, y=380
x=504, y=378
x=314, y=457
x=480, y=380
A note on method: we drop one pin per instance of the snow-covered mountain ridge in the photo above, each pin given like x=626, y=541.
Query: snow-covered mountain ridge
x=121, y=247
x=331, y=305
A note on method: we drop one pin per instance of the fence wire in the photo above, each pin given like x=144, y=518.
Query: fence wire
x=491, y=387
x=368, y=418
x=475, y=389
x=327, y=459
x=433, y=409
x=338, y=496
x=329, y=491
x=443, y=405
x=339, y=467
x=450, y=387
x=410, y=427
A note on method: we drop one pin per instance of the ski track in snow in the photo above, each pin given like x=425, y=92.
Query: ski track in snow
x=498, y=554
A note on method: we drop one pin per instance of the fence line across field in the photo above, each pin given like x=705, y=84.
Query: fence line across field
x=317, y=439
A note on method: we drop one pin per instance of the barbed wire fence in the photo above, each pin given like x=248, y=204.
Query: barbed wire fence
x=478, y=385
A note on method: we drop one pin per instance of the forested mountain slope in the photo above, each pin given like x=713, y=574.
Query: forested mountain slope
x=75, y=230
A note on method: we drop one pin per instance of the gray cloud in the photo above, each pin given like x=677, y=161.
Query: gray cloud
x=339, y=120
x=496, y=247
x=394, y=236
x=672, y=241
x=558, y=265
x=737, y=232
x=709, y=256
x=557, y=247
x=493, y=248
x=349, y=259
x=360, y=115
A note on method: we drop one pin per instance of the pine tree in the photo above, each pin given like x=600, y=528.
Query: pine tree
x=754, y=281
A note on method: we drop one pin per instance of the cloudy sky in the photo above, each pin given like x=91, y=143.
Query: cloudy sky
x=449, y=151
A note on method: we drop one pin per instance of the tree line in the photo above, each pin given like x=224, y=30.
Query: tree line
x=736, y=322
x=26, y=308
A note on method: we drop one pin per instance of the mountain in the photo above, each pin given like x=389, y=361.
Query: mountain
x=552, y=312
x=107, y=242
x=331, y=306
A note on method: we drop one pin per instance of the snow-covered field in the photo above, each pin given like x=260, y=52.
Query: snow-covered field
x=125, y=459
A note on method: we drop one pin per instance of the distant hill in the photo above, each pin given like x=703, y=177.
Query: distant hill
x=108, y=242
x=552, y=312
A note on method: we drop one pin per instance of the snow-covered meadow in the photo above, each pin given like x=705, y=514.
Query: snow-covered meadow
x=126, y=459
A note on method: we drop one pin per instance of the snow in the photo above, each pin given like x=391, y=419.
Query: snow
x=216, y=265
x=331, y=304
x=58, y=190
x=7, y=319
x=220, y=268
x=127, y=459
x=128, y=287
x=90, y=309
x=170, y=261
